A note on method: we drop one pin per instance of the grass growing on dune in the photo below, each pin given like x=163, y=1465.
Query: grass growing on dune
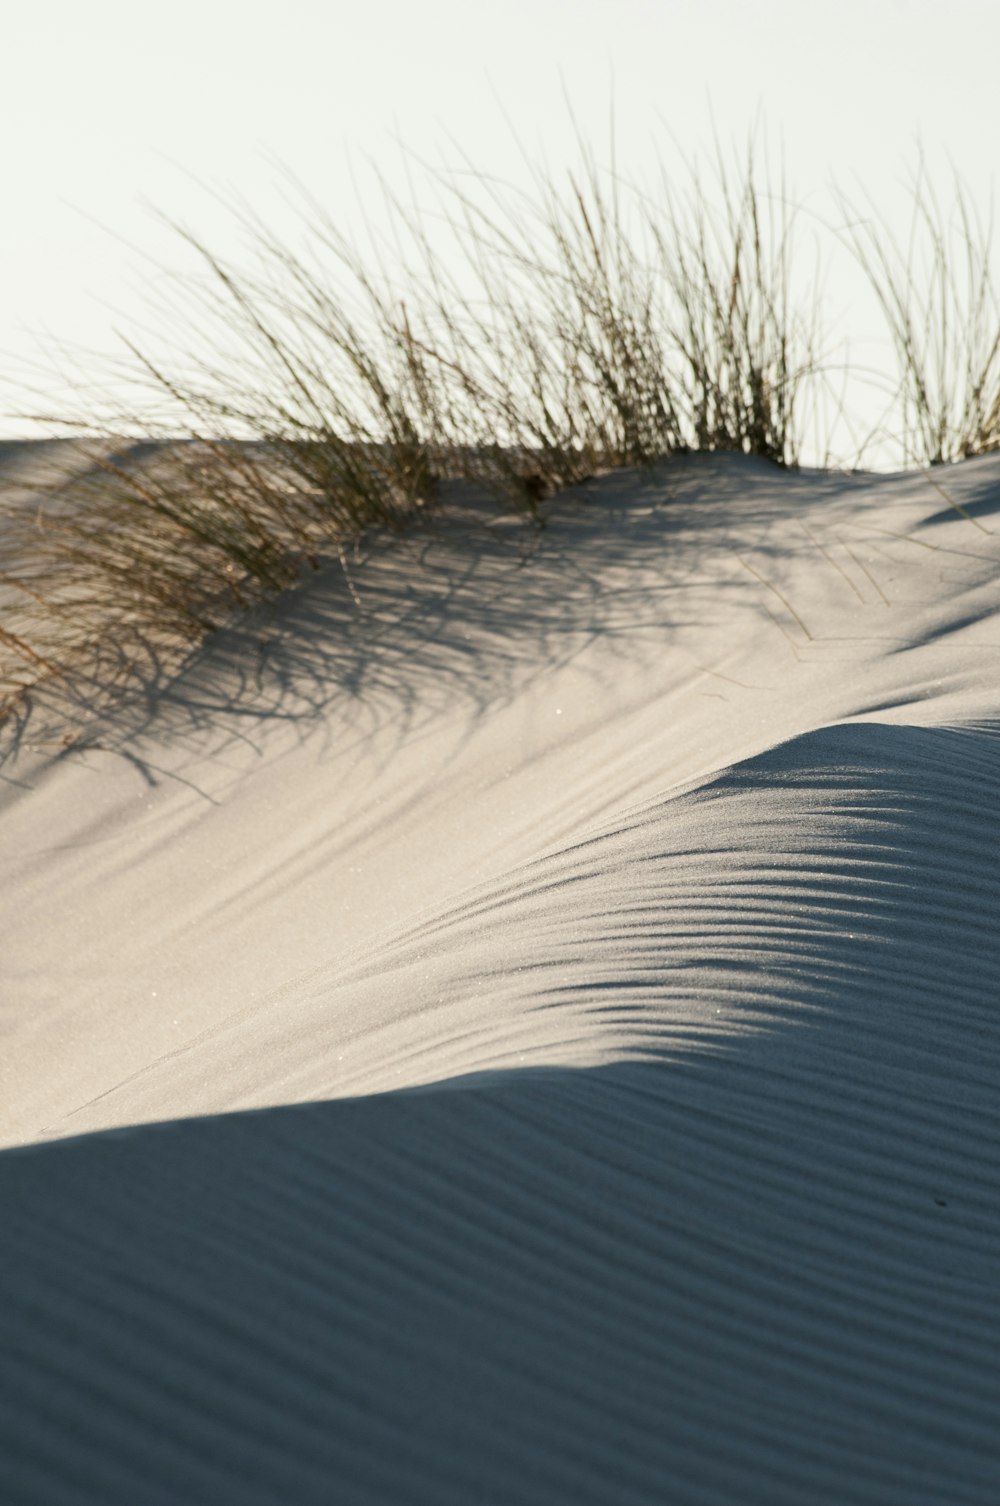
x=131, y=555
x=319, y=391
x=519, y=341
x=747, y=352
x=941, y=303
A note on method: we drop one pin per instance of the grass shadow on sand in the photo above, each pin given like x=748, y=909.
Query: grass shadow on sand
x=463, y=610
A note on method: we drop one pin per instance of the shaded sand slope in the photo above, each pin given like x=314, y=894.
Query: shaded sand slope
x=635, y=1136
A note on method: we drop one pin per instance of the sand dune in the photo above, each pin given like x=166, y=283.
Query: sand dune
x=532, y=1039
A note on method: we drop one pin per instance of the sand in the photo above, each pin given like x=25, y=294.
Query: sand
x=519, y=1025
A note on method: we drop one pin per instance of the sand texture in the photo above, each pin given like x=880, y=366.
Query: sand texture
x=520, y=1025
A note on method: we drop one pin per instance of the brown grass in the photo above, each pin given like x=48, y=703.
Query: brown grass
x=319, y=391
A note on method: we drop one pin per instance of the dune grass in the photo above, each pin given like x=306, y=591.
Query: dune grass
x=522, y=342
x=320, y=391
x=749, y=351
x=941, y=301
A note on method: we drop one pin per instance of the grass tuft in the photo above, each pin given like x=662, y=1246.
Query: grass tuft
x=939, y=296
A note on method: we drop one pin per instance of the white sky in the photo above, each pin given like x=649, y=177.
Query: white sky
x=110, y=105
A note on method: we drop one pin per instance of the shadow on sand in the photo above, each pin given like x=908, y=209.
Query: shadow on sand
x=467, y=607
x=732, y=1277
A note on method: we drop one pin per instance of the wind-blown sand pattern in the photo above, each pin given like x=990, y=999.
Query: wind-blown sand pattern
x=532, y=1038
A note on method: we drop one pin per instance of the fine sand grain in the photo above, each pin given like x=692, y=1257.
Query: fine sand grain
x=522, y=1027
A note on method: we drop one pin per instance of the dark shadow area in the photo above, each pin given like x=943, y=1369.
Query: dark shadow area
x=725, y=1277
x=982, y=500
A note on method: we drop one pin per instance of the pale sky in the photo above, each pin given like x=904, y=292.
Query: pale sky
x=109, y=107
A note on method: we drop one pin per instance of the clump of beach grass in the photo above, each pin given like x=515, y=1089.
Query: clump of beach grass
x=748, y=350
x=106, y=570
x=940, y=297
x=319, y=390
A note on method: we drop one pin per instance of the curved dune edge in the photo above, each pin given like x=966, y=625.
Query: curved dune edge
x=656, y=1160
x=846, y=870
